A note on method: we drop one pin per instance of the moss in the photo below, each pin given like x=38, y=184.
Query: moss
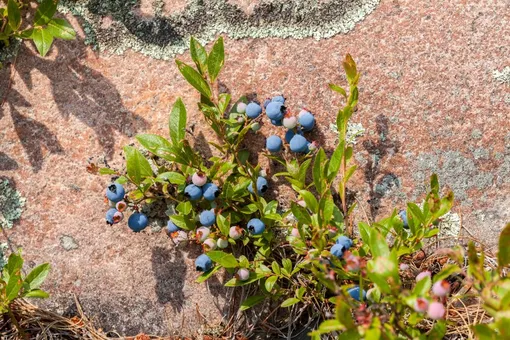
x=163, y=37
x=11, y=204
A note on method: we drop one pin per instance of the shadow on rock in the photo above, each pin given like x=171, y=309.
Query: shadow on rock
x=78, y=91
x=378, y=150
x=7, y=163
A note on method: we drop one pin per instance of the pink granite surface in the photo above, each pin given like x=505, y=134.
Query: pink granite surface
x=427, y=85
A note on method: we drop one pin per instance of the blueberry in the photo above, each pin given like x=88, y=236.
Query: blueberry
x=403, y=217
x=354, y=292
x=137, y=222
x=278, y=99
x=289, y=122
x=277, y=122
x=255, y=126
x=261, y=186
x=266, y=102
x=241, y=107
x=256, y=226
x=207, y=218
x=199, y=178
x=171, y=227
x=307, y=121
x=193, y=192
x=288, y=135
x=115, y=192
x=337, y=250
x=203, y=263
x=211, y=191
x=253, y=110
x=298, y=143
x=202, y=234
x=345, y=242
x=273, y=144
x=275, y=110
x=109, y=215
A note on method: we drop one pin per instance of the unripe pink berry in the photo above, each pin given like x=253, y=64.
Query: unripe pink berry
x=121, y=206
x=199, y=179
x=441, y=288
x=203, y=234
x=241, y=107
x=117, y=217
x=312, y=146
x=290, y=122
x=421, y=305
x=353, y=263
x=295, y=232
x=243, y=274
x=436, y=310
x=209, y=244
x=301, y=203
x=404, y=266
x=235, y=232
x=422, y=275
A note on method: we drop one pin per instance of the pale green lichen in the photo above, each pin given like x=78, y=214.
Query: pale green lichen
x=163, y=37
x=11, y=204
x=3, y=257
x=502, y=76
x=354, y=131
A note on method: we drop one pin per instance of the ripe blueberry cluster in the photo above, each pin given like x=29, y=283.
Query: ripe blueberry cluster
x=201, y=188
x=115, y=195
x=279, y=115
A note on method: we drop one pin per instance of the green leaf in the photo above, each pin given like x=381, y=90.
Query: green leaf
x=270, y=282
x=107, y=171
x=60, y=28
x=36, y=293
x=336, y=161
x=138, y=168
x=300, y=213
x=343, y=313
x=13, y=286
x=330, y=326
x=223, y=259
x=276, y=268
x=216, y=59
x=37, y=276
x=253, y=277
x=172, y=177
x=14, y=14
x=207, y=274
x=154, y=143
x=45, y=12
x=184, y=207
x=177, y=122
x=198, y=54
x=438, y=331
x=310, y=200
x=183, y=222
x=42, y=40
x=223, y=224
x=318, y=170
x=447, y=271
x=378, y=245
x=338, y=89
x=194, y=78
x=423, y=286
x=484, y=332
x=251, y=301
x=289, y=302
x=504, y=247
x=14, y=265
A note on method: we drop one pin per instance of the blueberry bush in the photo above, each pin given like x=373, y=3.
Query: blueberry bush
x=43, y=28
x=310, y=265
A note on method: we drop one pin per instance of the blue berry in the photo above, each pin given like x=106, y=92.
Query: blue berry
x=253, y=110
x=211, y=191
x=266, y=102
x=298, y=143
x=256, y=226
x=193, y=192
x=356, y=293
x=171, y=227
x=115, y=192
x=288, y=135
x=207, y=218
x=278, y=99
x=109, y=215
x=261, y=186
x=403, y=217
x=307, y=121
x=337, y=250
x=273, y=144
x=203, y=263
x=277, y=122
x=137, y=222
x=275, y=110
x=345, y=242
